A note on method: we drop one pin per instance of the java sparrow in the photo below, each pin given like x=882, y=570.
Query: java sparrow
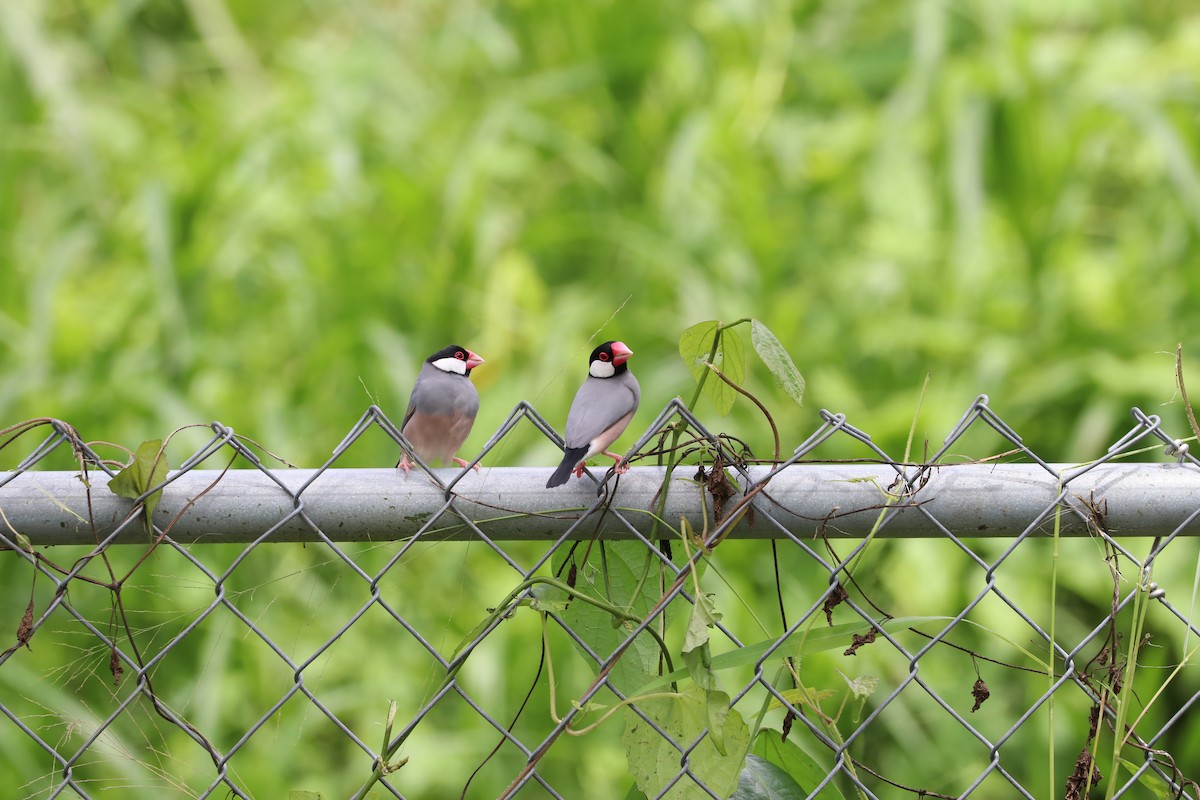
x=600, y=412
x=442, y=408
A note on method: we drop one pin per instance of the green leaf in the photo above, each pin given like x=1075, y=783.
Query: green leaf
x=799, y=765
x=549, y=599
x=624, y=585
x=716, y=704
x=654, y=761
x=762, y=780
x=697, y=659
x=696, y=349
x=698, y=664
x=731, y=360
x=704, y=616
x=1149, y=780
x=863, y=686
x=776, y=357
x=24, y=543
x=147, y=469
x=695, y=344
x=800, y=697
x=814, y=641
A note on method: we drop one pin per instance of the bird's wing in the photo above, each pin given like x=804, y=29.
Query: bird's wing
x=599, y=404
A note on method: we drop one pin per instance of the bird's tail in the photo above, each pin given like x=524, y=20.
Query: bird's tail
x=571, y=457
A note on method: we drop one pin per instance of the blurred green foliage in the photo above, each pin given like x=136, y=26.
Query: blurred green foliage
x=269, y=214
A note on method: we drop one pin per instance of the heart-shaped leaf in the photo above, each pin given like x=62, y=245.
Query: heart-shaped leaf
x=147, y=469
x=776, y=357
x=696, y=347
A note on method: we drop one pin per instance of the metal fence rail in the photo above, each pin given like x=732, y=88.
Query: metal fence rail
x=1006, y=691
x=510, y=503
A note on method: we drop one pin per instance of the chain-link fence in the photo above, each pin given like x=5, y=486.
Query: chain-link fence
x=701, y=626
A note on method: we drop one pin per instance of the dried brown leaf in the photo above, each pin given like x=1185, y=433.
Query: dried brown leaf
x=1086, y=774
x=981, y=693
x=25, y=629
x=858, y=641
x=832, y=601
x=114, y=665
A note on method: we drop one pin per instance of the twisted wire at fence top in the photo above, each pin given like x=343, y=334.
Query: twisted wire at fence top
x=134, y=667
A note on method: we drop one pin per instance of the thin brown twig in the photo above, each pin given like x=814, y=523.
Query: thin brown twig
x=1187, y=405
x=753, y=399
x=914, y=790
x=731, y=521
x=503, y=739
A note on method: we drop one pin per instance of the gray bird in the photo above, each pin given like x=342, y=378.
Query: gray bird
x=600, y=412
x=442, y=408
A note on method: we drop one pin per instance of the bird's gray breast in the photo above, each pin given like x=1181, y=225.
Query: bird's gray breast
x=444, y=394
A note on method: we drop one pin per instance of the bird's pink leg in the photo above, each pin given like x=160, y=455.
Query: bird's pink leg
x=405, y=464
x=622, y=466
x=463, y=463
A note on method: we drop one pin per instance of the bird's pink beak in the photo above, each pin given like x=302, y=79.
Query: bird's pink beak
x=621, y=353
x=473, y=360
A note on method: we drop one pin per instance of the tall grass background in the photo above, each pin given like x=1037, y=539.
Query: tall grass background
x=269, y=214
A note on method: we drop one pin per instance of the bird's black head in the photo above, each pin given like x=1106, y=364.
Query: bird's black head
x=455, y=358
x=608, y=360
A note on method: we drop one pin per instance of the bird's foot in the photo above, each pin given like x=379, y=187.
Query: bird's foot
x=405, y=464
x=578, y=471
x=621, y=466
x=464, y=463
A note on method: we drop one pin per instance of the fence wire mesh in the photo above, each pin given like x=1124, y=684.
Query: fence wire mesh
x=680, y=661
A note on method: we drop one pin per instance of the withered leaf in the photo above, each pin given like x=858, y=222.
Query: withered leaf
x=858, y=641
x=981, y=693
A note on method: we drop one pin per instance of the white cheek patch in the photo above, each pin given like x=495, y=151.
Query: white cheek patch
x=451, y=364
x=602, y=369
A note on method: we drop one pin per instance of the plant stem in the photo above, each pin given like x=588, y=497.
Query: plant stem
x=1187, y=406
x=1054, y=555
x=502, y=610
x=672, y=451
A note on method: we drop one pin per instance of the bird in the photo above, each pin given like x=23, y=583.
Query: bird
x=600, y=412
x=442, y=407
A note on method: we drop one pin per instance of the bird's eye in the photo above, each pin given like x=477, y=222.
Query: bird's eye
x=604, y=356
x=460, y=355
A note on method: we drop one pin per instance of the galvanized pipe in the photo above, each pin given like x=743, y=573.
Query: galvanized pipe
x=972, y=500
